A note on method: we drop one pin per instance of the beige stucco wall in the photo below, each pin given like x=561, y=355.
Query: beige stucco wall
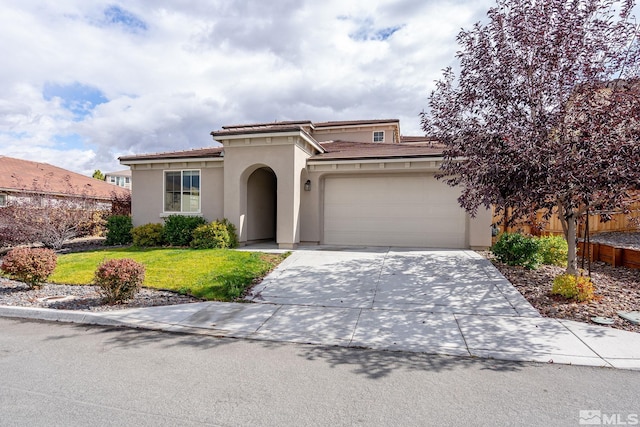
x=480, y=229
x=147, y=193
x=362, y=134
x=284, y=155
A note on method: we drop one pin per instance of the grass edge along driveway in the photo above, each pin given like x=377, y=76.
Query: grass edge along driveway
x=210, y=274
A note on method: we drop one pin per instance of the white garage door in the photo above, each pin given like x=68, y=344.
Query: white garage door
x=410, y=211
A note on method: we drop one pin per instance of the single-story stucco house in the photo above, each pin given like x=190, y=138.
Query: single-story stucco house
x=24, y=179
x=298, y=182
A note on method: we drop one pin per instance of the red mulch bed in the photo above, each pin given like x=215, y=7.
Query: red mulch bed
x=616, y=289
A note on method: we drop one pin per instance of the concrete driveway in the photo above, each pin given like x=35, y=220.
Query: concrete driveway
x=384, y=298
x=436, y=281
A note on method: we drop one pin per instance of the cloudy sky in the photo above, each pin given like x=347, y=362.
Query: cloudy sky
x=83, y=82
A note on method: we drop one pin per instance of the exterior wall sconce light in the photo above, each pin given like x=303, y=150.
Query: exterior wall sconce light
x=307, y=185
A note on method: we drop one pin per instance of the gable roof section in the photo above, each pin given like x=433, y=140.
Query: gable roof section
x=17, y=175
x=345, y=150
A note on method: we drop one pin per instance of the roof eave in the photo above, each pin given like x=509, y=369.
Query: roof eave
x=142, y=160
x=430, y=157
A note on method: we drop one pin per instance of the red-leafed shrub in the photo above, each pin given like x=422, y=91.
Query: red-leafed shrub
x=30, y=265
x=119, y=279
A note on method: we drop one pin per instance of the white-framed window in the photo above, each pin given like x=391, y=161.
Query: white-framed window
x=378, y=136
x=3, y=200
x=182, y=191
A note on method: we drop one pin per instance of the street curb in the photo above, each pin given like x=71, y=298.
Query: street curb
x=52, y=315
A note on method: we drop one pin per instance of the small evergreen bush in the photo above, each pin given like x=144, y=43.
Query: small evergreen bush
x=518, y=249
x=148, y=235
x=554, y=250
x=119, y=230
x=575, y=287
x=30, y=265
x=119, y=279
x=218, y=234
x=178, y=229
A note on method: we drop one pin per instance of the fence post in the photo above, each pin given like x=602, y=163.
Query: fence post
x=595, y=252
x=617, y=257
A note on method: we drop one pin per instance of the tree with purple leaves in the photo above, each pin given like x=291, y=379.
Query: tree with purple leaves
x=545, y=112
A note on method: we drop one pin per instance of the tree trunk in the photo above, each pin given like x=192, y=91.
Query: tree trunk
x=572, y=259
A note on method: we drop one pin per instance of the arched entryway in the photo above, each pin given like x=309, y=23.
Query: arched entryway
x=262, y=205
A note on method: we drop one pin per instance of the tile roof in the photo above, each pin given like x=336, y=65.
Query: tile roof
x=262, y=125
x=25, y=175
x=335, y=150
x=354, y=123
x=345, y=150
x=262, y=128
x=187, y=154
x=417, y=139
x=292, y=126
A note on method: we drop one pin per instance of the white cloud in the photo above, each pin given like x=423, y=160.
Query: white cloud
x=172, y=71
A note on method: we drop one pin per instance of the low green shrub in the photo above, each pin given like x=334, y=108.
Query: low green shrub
x=575, y=287
x=219, y=234
x=232, y=289
x=119, y=230
x=518, y=249
x=554, y=250
x=148, y=235
x=119, y=279
x=178, y=229
x=30, y=265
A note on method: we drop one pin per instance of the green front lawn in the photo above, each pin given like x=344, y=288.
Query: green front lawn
x=212, y=274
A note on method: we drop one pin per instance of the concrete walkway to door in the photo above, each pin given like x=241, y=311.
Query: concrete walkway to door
x=451, y=302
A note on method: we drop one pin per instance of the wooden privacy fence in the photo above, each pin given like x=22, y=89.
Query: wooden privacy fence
x=537, y=226
x=617, y=257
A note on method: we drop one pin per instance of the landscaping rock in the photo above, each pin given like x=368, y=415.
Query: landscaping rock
x=616, y=289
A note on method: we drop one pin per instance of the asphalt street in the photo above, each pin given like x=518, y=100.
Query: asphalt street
x=54, y=374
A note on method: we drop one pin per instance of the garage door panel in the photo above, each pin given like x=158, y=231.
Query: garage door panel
x=412, y=210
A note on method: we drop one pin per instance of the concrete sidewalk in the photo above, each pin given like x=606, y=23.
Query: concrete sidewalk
x=437, y=302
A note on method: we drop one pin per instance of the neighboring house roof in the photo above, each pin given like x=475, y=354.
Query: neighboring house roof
x=335, y=150
x=187, y=154
x=17, y=175
x=126, y=172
